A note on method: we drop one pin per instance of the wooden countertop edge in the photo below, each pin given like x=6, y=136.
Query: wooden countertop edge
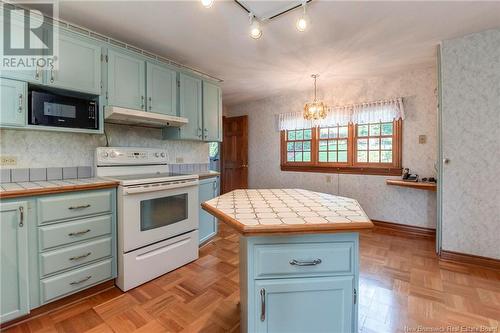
x=58, y=189
x=416, y=185
x=247, y=230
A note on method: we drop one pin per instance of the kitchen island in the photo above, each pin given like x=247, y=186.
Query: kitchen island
x=299, y=258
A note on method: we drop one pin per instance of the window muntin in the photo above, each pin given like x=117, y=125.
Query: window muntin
x=374, y=143
x=333, y=144
x=298, y=146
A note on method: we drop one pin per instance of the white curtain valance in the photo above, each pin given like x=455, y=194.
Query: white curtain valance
x=383, y=111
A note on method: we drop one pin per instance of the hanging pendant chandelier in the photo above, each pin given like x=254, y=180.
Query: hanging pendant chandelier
x=315, y=109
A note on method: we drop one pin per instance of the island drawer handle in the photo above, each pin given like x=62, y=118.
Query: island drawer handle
x=79, y=207
x=262, y=304
x=305, y=263
x=81, y=281
x=81, y=257
x=78, y=233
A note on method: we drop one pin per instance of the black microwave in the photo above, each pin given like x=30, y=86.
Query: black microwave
x=51, y=109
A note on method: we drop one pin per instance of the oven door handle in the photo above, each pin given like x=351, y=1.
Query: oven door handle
x=156, y=187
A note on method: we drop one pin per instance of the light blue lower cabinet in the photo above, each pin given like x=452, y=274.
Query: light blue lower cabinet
x=209, y=189
x=305, y=283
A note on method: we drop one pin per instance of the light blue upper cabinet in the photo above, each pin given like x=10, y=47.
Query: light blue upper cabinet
x=212, y=112
x=208, y=223
x=126, y=80
x=78, y=66
x=304, y=305
x=13, y=103
x=191, y=107
x=161, y=88
x=14, y=260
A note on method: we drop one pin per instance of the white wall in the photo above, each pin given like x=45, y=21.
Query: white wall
x=380, y=201
x=60, y=149
x=470, y=78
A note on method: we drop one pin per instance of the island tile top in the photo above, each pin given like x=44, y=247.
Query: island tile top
x=270, y=210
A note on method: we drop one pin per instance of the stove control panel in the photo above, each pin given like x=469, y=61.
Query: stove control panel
x=130, y=156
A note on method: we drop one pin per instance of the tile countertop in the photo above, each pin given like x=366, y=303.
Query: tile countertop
x=283, y=211
x=12, y=190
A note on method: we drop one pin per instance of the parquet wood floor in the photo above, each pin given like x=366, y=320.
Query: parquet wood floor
x=402, y=284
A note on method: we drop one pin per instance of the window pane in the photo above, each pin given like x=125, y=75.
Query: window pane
x=386, y=143
x=332, y=156
x=290, y=157
x=298, y=156
x=373, y=157
x=362, y=156
x=332, y=144
x=323, y=133
x=307, y=156
x=333, y=132
x=289, y=146
x=387, y=129
x=374, y=143
x=291, y=135
x=298, y=146
x=299, y=135
x=374, y=129
x=306, y=145
x=342, y=144
x=362, y=144
x=307, y=134
x=386, y=157
x=362, y=130
x=323, y=145
x=343, y=132
x=342, y=156
x=323, y=157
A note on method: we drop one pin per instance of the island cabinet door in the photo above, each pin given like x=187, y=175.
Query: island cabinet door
x=304, y=305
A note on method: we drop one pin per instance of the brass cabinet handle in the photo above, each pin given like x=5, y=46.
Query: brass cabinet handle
x=78, y=233
x=305, y=263
x=20, y=103
x=81, y=281
x=262, y=304
x=21, y=216
x=81, y=257
x=79, y=207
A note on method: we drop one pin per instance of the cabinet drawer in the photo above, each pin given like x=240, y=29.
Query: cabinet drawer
x=53, y=261
x=73, y=205
x=65, y=233
x=303, y=259
x=70, y=282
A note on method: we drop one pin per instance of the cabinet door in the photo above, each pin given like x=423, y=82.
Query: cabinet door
x=13, y=102
x=78, y=66
x=161, y=89
x=208, y=223
x=14, y=265
x=304, y=305
x=126, y=81
x=190, y=107
x=212, y=112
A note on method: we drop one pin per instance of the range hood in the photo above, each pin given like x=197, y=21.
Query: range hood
x=119, y=115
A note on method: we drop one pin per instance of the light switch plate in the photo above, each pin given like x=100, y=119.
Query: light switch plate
x=179, y=160
x=8, y=161
x=422, y=139
x=328, y=179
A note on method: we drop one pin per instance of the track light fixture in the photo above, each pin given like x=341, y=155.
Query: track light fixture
x=303, y=21
x=255, y=29
x=207, y=3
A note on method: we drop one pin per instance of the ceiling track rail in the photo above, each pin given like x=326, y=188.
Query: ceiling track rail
x=248, y=11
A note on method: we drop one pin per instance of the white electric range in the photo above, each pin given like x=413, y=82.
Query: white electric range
x=157, y=213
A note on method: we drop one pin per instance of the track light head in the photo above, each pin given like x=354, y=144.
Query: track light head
x=303, y=21
x=255, y=29
x=207, y=3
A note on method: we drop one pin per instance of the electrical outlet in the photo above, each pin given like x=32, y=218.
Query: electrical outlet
x=179, y=160
x=8, y=161
x=422, y=139
x=328, y=179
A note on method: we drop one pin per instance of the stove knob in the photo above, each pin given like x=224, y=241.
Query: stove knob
x=162, y=154
x=113, y=154
x=157, y=154
x=104, y=154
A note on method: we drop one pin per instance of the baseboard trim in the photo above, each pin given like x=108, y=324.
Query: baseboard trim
x=470, y=259
x=60, y=303
x=404, y=230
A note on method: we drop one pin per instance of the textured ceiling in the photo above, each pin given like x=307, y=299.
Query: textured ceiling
x=345, y=40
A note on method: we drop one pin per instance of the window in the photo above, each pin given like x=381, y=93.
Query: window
x=373, y=148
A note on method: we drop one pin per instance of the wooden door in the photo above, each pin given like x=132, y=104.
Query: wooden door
x=304, y=305
x=161, y=88
x=126, y=81
x=191, y=107
x=13, y=102
x=212, y=112
x=234, y=153
x=78, y=66
x=14, y=260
